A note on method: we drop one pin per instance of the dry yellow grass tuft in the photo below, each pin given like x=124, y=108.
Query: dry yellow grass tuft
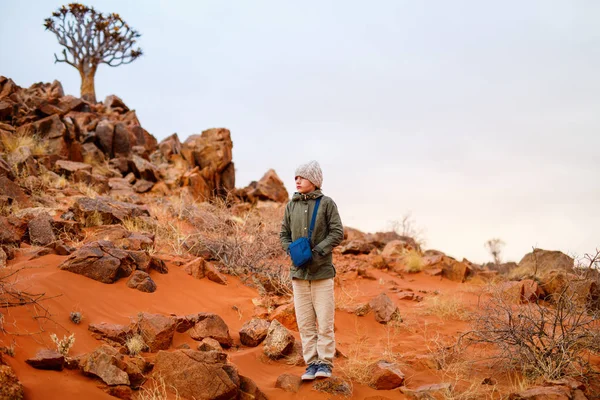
x=135, y=345
x=446, y=307
x=413, y=261
x=155, y=389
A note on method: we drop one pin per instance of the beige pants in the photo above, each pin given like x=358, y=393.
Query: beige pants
x=315, y=310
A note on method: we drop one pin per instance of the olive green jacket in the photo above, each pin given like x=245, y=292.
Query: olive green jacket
x=327, y=234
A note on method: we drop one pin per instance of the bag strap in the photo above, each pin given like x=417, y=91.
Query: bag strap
x=314, y=218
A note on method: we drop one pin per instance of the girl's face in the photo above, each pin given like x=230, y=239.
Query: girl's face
x=304, y=185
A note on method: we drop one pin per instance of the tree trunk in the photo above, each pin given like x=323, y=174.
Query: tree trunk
x=88, y=90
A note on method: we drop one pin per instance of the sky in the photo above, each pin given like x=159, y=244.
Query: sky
x=480, y=119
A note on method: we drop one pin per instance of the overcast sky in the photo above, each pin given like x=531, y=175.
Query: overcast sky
x=479, y=117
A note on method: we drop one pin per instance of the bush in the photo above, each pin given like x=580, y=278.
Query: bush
x=135, y=345
x=541, y=340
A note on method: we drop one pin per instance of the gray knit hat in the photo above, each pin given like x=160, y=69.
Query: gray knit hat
x=312, y=172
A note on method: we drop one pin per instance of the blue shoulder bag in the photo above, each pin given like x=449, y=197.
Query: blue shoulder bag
x=300, y=250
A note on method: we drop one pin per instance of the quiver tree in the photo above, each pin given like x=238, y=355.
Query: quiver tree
x=91, y=38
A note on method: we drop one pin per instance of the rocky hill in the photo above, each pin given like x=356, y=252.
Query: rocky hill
x=136, y=269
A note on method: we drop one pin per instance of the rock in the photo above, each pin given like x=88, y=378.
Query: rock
x=68, y=168
x=13, y=230
x=209, y=344
x=113, y=332
x=157, y=330
x=385, y=376
x=123, y=140
x=144, y=169
x=142, y=186
x=212, y=326
x=141, y=281
x=249, y=390
x=269, y=187
x=434, y=272
x=40, y=230
x=254, y=332
x=399, y=247
x=109, y=210
x=406, y=295
x=289, y=383
x=195, y=268
x=120, y=392
x=103, y=363
x=11, y=190
x=170, y=146
x=431, y=260
x=47, y=359
x=100, y=261
x=122, y=238
x=114, y=103
x=200, y=375
x=357, y=247
x=359, y=310
x=455, y=270
x=105, y=132
x=10, y=387
x=63, y=249
x=286, y=315
x=333, y=385
x=384, y=309
x=542, y=262
x=522, y=292
x=543, y=393
x=433, y=391
x=279, y=341
x=158, y=265
x=92, y=154
x=186, y=322
x=214, y=275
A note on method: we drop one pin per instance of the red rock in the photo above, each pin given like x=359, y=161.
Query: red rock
x=279, y=341
x=384, y=309
x=254, y=332
x=286, y=315
x=157, y=330
x=47, y=359
x=213, y=326
x=385, y=376
x=195, y=374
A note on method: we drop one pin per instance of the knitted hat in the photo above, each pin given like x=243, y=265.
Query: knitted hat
x=312, y=172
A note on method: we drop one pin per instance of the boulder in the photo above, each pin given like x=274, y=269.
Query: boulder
x=141, y=281
x=455, y=270
x=100, y=261
x=157, y=330
x=269, y=187
x=196, y=374
x=334, y=385
x=541, y=262
x=40, y=230
x=209, y=344
x=47, y=359
x=254, y=332
x=11, y=190
x=279, y=341
x=357, y=246
x=113, y=332
x=385, y=375
x=286, y=315
x=109, y=211
x=104, y=363
x=384, y=309
x=69, y=168
x=249, y=390
x=214, y=275
x=122, y=238
x=212, y=326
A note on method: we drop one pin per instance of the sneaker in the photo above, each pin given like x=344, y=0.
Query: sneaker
x=324, y=371
x=310, y=373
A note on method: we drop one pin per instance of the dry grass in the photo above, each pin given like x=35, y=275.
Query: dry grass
x=86, y=190
x=413, y=261
x=446, y=307
x=13, y=143
x=94, y=218
x=157, y=390
x=135, y=345
x=345, y=295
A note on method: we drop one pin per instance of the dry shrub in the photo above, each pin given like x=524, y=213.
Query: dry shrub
x=63, y=346
x=446, y=307
x=247, y=246
x=413, y=262
x=94, y=218
x=86, y=190
x=135, y=345
x=538, y=339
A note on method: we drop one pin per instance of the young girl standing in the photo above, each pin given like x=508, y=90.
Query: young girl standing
x=312, y=282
